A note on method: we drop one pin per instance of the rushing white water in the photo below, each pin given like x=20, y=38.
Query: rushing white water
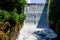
x=34, y=29
x=26, y=33
x=31, y=32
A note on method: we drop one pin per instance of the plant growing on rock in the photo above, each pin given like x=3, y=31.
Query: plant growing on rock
x=11, y=18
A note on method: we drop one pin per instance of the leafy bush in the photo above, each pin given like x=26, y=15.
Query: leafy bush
x=12, y=10
x=22, y=17
x=4, y=15
x=15, y=17
x=11, y=18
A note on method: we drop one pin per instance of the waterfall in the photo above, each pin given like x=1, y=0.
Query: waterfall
x=42, y=32
x=36, y=30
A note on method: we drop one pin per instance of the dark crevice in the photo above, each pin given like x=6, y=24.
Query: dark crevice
x=0, y=39
x=6, y=29
x=12, y=23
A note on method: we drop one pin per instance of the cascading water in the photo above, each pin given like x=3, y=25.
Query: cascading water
x=31, y=31
x=42, y=32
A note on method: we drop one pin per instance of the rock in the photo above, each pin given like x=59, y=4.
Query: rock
x=8, y=32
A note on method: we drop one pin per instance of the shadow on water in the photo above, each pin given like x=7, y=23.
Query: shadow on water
x=43, y=23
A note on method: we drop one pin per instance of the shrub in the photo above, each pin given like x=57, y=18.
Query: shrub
x=12, y=10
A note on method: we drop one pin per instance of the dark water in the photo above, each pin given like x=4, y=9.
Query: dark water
x=49, y=34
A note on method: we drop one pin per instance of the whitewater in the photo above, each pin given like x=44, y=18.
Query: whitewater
x=37, y=31
x=26, y=33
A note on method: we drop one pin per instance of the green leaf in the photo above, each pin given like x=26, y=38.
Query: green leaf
x=22, y=17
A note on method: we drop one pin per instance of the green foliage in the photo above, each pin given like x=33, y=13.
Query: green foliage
x=54, y=14
x=21, y=5
x=15, y=16
x=9, y=5
x=51, y=11
x=12, y=10
x=4, y=15
x=22, y=17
